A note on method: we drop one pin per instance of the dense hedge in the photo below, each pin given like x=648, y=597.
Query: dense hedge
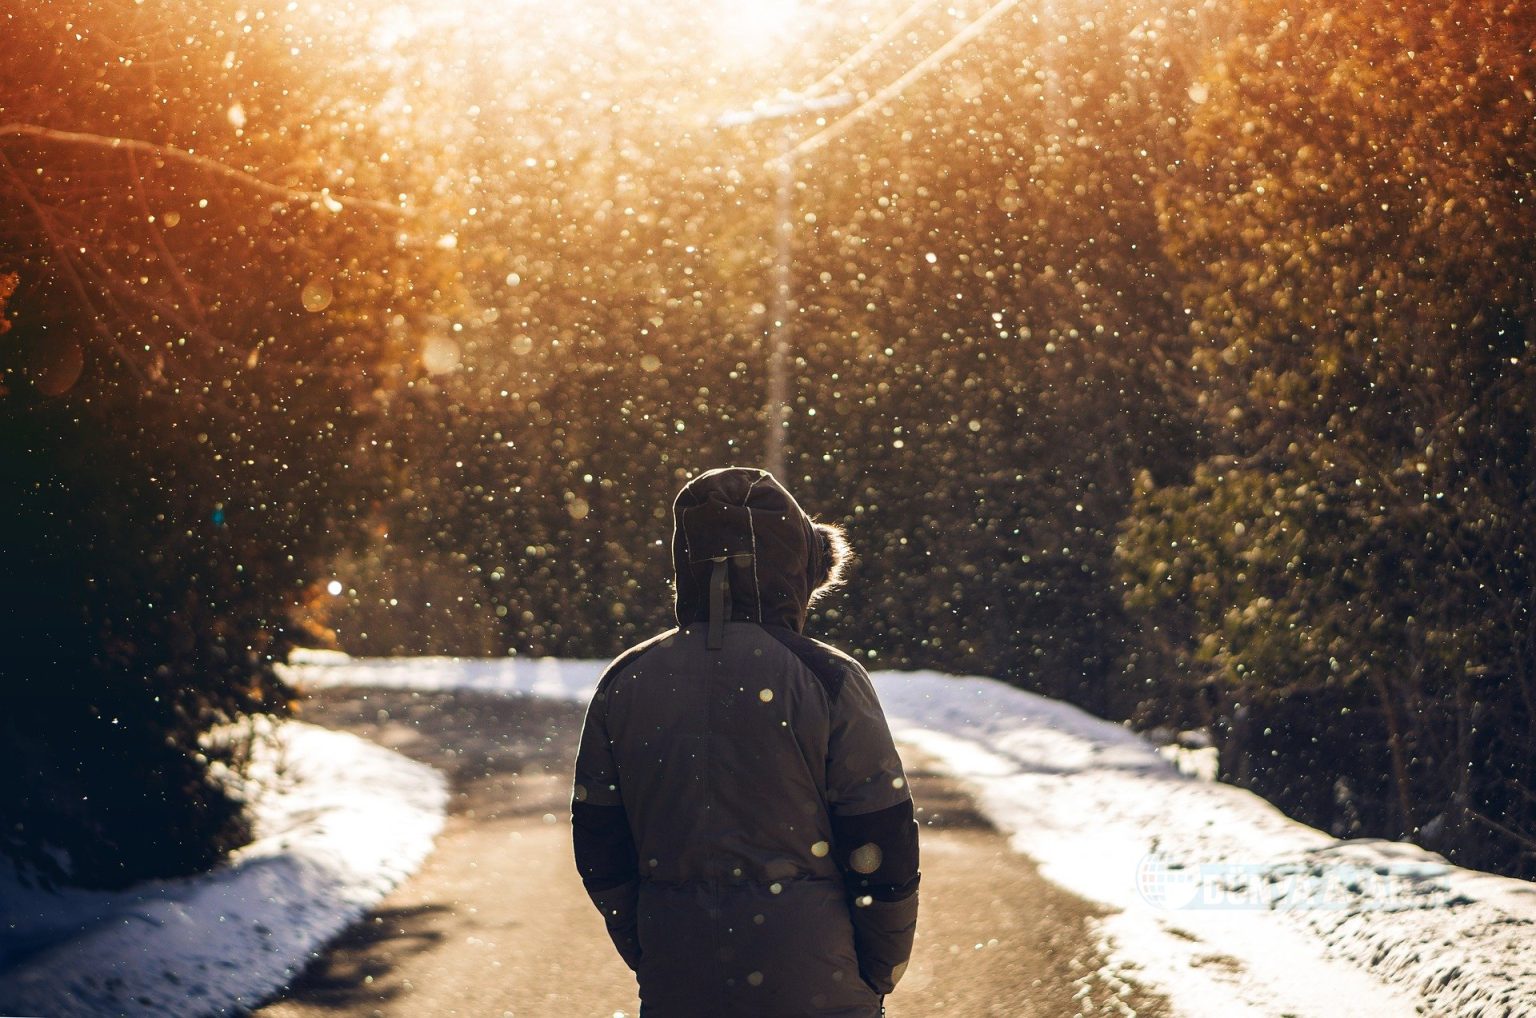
x=1354, y=567
x=984, y=333
x=1174, y=361
x=189, y=386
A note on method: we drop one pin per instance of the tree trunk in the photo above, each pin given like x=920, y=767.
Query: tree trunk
x=1398, y=751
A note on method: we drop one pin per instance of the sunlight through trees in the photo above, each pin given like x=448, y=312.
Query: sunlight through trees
x=1167, y=358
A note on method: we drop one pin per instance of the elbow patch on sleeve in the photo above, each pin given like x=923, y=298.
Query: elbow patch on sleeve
x=864, y=772
x=878, y=852
x=605, y=848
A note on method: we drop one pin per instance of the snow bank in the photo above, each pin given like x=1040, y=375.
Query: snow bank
x=550, y=678
x=1222, y=902
x=1218, y=900
x=339, y=822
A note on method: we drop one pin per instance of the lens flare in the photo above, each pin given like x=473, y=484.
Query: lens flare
x=754, y=28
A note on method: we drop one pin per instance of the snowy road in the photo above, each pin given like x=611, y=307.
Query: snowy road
x=1211, y=896
x=1115, y=870
x=496, y=922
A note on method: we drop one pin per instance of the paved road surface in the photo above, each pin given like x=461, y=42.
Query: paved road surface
x=496, y=923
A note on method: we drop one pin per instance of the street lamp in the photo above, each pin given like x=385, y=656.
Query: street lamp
x=781, y=306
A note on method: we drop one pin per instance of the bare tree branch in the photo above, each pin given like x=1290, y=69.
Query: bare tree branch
x=151, y=380
x=323, y=199
x=68, y=265
x=158, y=237
x=1509, y=832
x=70, y=242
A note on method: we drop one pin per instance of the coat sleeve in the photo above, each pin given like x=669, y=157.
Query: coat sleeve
x=605, y=847
x=874, y=831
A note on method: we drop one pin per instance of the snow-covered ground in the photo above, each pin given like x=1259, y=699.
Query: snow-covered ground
x=339, y=822
x=1223, y=903
x=1218, y=900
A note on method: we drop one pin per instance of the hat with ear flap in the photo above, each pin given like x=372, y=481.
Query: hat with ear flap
x=744, y=551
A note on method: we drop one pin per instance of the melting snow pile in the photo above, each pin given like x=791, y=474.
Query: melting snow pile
x=1224, y=903
x=339, y=822
x=1221, y=901
x=549, y=678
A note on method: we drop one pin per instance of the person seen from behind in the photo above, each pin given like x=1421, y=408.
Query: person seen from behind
x=741, y=818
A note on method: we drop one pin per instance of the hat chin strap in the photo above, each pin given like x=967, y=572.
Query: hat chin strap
x=719, y=601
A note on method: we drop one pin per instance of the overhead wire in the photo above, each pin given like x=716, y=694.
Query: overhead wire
x=895, y=88
x=848, y=63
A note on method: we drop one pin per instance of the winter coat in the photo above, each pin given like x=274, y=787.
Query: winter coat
x=741, y=819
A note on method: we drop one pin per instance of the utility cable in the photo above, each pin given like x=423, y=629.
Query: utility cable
x=895, y=88
x=836, y=74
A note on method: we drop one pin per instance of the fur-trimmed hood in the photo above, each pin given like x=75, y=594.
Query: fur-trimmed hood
x=740, y=536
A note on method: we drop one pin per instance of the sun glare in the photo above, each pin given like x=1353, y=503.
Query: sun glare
x=753, y=28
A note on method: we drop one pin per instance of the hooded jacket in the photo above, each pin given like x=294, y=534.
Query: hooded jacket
x=740, y=815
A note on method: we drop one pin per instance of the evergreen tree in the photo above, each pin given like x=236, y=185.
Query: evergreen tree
x=217, y=291
x=1353, y=571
